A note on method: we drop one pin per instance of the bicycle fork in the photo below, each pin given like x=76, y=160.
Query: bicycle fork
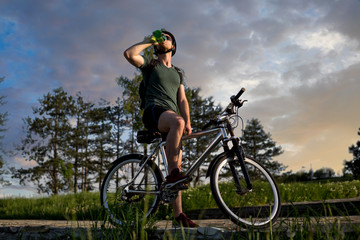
x=237, y=149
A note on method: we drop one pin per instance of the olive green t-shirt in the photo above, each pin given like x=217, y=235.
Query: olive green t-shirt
x=163, y=85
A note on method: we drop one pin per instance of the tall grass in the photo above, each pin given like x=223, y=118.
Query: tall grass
x=61, y=207
x=86, y=206
x=290, y=192
x=313, y=191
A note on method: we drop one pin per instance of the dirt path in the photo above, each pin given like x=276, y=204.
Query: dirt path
x=164, y=224
x=51, y=229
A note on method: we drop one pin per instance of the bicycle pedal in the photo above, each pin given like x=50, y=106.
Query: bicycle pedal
x=180, y=185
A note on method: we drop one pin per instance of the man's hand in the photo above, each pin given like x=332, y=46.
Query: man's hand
x=187, y=128
x=150, y=39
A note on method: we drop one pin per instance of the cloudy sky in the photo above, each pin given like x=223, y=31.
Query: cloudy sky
x=298, y=60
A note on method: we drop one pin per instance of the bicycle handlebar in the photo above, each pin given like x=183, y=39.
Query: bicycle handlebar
x=234, y=100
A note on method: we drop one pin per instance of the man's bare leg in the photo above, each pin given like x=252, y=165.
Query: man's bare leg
x=173, y=124
x=177, y=204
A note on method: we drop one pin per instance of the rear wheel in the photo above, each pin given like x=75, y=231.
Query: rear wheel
x=258, y=207
x=126, y=198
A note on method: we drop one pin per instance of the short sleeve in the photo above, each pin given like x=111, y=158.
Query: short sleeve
x=146, y=64
x=181, y=74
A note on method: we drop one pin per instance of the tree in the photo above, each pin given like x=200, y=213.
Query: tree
x=259, y=145
x=353, y=166
x=201, y=111
x=3, y=119
x=131, y=107
x=100, y=140
x=78, y=141
x=131, y=104
x=115, y=114
x=46, y=144
x=324, y=172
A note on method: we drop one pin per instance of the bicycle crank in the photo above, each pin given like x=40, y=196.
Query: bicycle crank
x=168, y=195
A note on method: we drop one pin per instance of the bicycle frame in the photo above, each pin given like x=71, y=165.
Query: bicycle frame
x=204, y=155
x=222, y=133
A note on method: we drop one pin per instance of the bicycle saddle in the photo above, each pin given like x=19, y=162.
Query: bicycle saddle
x=147, y=136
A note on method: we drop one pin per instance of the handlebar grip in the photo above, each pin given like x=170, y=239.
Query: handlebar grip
x=242, y=90
x=235, y=98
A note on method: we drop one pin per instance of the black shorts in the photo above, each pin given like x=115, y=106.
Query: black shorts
x=151, y=117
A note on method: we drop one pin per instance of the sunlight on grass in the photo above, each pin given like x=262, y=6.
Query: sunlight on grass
x=84, y=206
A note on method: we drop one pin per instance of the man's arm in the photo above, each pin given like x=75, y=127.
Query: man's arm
x=132, y=54
x=184, y=108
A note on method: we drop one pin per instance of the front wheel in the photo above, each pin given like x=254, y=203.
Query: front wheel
x=258, y=207
x=127, y=197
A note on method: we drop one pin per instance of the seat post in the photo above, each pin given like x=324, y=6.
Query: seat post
x=145, y=149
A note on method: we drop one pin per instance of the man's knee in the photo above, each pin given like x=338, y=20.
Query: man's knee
x=170, y=120
x=179, y=123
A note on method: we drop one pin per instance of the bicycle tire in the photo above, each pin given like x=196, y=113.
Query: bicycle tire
x=257, y=208
x=121, y=208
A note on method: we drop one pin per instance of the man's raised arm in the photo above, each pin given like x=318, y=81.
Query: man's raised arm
x=132, y=54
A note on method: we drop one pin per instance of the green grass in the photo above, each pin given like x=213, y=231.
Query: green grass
x=87, y=205
x=71, y=206
x=313, y=191
x=290, y=192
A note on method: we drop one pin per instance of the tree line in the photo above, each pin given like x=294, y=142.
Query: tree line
x=73, y=141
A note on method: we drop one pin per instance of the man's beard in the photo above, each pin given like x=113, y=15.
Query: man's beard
x=163, y=49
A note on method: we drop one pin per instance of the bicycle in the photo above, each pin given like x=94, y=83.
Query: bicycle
x=242, y=188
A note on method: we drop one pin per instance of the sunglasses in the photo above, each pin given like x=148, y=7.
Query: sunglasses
x=168, y=38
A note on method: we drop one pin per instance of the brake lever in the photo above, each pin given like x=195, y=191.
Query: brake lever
x=240, y=103
x=230, y=108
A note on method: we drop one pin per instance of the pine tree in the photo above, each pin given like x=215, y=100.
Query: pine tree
x=78, y=141
x=131, y=105
x=46, y=144
x=115, y=114
x=259, y=145
x=100, y=141
x=201, y=111
x=131, y=108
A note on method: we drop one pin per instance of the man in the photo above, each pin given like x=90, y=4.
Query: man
x=165, y=96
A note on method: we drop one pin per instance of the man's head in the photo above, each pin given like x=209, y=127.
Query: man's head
x=169, y=45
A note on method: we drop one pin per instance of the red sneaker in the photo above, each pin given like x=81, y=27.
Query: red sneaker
x=184, y=221
x=175, y=176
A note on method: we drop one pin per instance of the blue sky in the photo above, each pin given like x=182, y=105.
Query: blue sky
x=298, y=60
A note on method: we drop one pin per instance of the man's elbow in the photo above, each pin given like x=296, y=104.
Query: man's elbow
x=133, y=59
x=127, y=55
